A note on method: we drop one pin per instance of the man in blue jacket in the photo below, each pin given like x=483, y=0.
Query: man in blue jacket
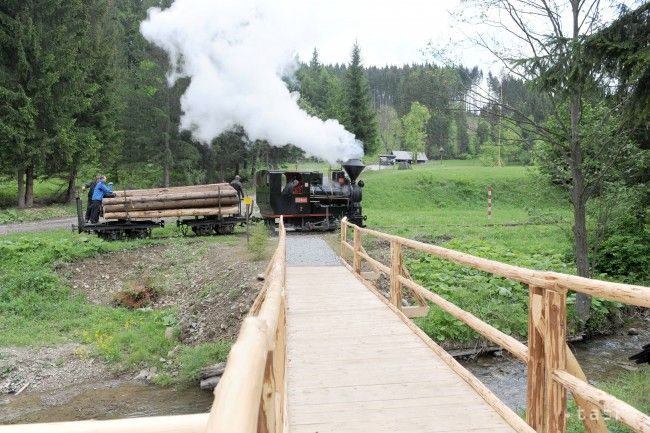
x=90, y=186
x=101, y=190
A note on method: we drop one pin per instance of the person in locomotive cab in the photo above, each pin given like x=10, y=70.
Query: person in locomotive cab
x=236, y=183
x=289, y=187
x=90, y=186
x=102, y=189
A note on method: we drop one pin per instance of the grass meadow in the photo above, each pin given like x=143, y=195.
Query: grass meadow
x=446, y=204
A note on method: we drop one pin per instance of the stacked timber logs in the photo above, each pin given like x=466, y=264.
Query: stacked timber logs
x=219, y=199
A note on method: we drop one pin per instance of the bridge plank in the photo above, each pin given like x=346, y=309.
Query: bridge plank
x=354, y=366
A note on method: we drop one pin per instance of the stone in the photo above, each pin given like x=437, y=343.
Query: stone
x=632, y=331
x=142, y=376
x=210, y=383
x=213, y=370
x=260, y=277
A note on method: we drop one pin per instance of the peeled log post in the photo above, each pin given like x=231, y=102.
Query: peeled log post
x=233, y=210
x=170, y=204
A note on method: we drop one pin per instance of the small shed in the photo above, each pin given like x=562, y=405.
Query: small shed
x=386, y=159
x=406, y=156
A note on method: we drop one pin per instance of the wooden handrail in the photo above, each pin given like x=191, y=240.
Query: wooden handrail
x=240, y=405
x=624, y=293
x=157, y=424
x=512, y=345
x=610, y=405
x=552, y=368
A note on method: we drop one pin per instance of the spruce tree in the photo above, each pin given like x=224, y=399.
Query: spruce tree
x=360, y=117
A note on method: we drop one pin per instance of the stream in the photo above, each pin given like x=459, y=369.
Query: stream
x=601, y=358
x=105, y=400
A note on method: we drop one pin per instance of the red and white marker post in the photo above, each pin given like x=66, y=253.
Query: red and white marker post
x=490, y=202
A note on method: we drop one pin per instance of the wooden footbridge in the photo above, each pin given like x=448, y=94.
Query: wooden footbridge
x=323, y=350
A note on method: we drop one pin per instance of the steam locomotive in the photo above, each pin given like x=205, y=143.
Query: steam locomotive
x=307, y=200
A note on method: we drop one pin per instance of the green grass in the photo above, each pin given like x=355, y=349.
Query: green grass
x=631, y=387
x=14, y=215
x=193, y=359
x=45, y=191
x=38, y=308
x=258, y=244
x=447, y=205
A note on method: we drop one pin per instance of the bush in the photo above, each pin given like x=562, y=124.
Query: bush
x=620, y=233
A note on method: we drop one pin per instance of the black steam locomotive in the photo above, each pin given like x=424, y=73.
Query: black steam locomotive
x=307, y=200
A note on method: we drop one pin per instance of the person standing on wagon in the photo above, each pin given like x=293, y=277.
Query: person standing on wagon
x=101, y=190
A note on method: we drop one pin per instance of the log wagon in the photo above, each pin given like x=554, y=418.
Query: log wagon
x=212, y=209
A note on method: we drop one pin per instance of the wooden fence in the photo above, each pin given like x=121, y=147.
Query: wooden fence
x=552, y=368
x=250, y=396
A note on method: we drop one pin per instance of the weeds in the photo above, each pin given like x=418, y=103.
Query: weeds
x=258, y=243
x=192, y=359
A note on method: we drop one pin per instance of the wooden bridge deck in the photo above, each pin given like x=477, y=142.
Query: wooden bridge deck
x=354, y=366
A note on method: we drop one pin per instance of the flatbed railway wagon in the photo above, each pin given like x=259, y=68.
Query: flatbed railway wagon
x=212, y=209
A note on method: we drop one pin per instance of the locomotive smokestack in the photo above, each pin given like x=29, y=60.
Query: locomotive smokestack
x=353, y=167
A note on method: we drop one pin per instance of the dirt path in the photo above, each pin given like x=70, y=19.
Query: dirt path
x=37, y=226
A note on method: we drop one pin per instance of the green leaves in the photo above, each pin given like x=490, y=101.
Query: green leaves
x=414, y=123
x=500, y=302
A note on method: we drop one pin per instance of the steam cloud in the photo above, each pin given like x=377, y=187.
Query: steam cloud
x=236, y=52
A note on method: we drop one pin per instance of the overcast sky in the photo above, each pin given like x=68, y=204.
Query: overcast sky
x=387, y=32
x=396, y=32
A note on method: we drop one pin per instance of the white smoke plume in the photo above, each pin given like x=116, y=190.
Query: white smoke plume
x=235, y=53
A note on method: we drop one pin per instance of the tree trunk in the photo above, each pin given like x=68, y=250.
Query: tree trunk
x=578, y=194
x=21, y=188
x=256, y=156
x=166, y=173
x=29, y=186
x=72, y=180
x=167, y=151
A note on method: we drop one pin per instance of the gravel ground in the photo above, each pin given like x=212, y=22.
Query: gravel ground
x=309, y=250
x=38, y=226
x=47, y=368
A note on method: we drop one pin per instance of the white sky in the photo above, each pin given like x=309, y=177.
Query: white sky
x=396, y=32
x=388, y=32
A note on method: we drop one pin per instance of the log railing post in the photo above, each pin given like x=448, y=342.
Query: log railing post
x=536, y=382
x=344, y=238
x=554, y=359
x=395, y=272
x=271, y=413
x=356, y=263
